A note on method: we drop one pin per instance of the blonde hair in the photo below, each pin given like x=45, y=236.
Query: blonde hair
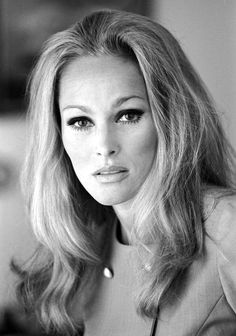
x=192, y=153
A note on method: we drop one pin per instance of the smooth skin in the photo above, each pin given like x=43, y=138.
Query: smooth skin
x=107, y=123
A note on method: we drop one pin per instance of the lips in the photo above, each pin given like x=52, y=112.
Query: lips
x=110, y=170
x=111, y=174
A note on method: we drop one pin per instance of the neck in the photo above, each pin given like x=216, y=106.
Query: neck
x=126, y=218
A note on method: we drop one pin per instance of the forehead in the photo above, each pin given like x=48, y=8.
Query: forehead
x=99, y=73
x=89, y=63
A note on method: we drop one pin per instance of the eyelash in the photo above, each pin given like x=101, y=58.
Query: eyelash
x=134, y=112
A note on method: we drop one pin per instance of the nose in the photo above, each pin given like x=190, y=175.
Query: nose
x=107, y=143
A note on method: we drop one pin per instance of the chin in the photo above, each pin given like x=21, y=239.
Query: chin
x=111, y=199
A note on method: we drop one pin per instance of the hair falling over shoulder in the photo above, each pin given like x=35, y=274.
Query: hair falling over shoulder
x=192, y=154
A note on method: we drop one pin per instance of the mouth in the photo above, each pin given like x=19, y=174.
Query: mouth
x=110, y=170
x=111, y=174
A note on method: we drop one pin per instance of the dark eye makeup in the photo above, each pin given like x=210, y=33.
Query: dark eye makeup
x=130, y=116
x=127, y=116
x=80, y=121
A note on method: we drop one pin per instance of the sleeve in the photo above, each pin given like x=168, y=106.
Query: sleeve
x=226, y=254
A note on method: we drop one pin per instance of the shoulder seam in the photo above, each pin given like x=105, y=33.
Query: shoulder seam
x=210, y=312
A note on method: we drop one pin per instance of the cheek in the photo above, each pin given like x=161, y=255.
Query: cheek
x=150, y=142
x=146, y=144
x=77, y=150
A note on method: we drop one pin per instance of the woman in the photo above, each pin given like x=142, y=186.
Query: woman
x=129, y=186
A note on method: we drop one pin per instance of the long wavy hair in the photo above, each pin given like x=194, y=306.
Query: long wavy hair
x=71, y=227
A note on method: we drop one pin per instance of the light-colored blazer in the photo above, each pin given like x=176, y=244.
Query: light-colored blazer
x=205, y=303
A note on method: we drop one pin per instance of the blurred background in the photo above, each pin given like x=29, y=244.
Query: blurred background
x=205, y=28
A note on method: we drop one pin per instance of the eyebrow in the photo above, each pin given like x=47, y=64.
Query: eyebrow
x=118, y=102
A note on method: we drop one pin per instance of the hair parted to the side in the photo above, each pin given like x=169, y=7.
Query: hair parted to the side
x=192, y=154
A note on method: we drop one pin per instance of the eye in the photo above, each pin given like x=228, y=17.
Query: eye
x=80, y=123
x=130, y=116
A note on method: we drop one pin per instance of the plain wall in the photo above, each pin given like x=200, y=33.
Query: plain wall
x=207, y=32
x=16, y=239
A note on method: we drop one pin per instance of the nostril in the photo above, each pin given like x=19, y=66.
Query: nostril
x=106, y=153
x=107, y=150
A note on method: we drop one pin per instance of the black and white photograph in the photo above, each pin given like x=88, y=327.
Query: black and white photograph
x=118, y=168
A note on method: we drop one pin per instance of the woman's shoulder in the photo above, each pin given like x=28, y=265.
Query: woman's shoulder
x=221, y=231
x=220, y=214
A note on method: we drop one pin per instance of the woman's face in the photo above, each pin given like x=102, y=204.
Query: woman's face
x=107, y=127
